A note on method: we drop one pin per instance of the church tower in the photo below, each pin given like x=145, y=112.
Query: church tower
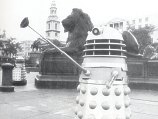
x=53, y=23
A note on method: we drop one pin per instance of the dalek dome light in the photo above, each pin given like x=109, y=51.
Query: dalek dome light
x=104, y=33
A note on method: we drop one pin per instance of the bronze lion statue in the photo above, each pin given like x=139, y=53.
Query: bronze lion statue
x=77, y=24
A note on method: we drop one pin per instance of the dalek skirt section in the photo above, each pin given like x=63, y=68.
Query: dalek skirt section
x=103, y=96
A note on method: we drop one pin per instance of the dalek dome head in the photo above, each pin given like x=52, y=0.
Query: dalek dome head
x=104, y=41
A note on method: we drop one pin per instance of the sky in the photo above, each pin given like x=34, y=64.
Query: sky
x=100, y=11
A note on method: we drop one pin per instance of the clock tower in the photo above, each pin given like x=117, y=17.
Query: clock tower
x=53, y=24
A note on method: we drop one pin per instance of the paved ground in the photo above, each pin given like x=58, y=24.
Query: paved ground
x=39, y=104
x=27, y=102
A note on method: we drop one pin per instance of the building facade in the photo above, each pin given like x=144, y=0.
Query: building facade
x=53, y=24
x=26, y=48
x=122, y=24
x=138, y=22
x=118, y=23
x=144, y=21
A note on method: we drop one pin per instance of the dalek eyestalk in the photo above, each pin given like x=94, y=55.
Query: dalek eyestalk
x=114, y=76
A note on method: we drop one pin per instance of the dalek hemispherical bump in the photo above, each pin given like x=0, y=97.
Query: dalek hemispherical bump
x=81, y=102
x=80, y=115
x=105, y=105
x=118, y=105
x=117, y=92
x=127, y=90
x=127, y=101
x=83, y=89
x=106, y=92
x=78, y=87
x=92, y=104
x=76, y=110
x=94, y=91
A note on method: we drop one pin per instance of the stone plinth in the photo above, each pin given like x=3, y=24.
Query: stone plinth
x=57, y=71
x=7, y=78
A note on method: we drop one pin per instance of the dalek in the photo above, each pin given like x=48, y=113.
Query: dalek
x=103, y=93
x=19, y=72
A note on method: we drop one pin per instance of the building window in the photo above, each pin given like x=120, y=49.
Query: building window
x=48, y=34
x=56, y=26
x=52, y=11
x=133, y=21
x=111, y=25
x=146, y=19
x=140, y=20
x=56, y=34
x=48, y=25
x=121, y=24
x=116, y=25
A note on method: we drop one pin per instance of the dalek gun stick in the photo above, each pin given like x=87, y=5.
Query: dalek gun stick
x=113, y=78
x=25, y=23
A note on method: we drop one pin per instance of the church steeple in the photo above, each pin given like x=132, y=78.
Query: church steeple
x=53, y=10
x=53, y=24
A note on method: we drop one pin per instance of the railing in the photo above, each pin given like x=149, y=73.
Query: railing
x=142, y=71
x=139, y=70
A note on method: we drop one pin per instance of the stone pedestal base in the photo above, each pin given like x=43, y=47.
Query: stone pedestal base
x=56, y=81
x=6, y=88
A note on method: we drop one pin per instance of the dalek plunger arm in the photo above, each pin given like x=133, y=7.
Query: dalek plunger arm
x=25, y=23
